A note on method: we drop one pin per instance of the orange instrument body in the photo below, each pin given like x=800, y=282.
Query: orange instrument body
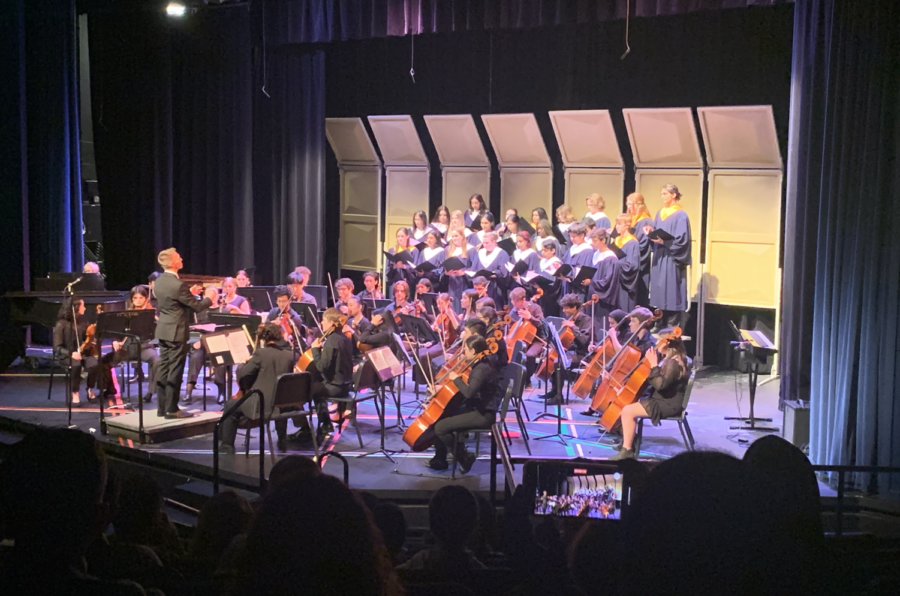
x=585, y=382
x=566, y=338
x=626, y=395
x=625, y=362
x=524, y=331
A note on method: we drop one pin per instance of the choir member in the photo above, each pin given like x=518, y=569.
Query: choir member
x=433, y=253
x=420, y=227
x=457, y=221
x=441, y=220
x=580, y=253
x=477, y=208
x=549, y=263
x=629, y=263
x=538, y=214
x=493, y=259
x=671, y=258
x=487, y=225
x=510, y=227
x=565, y=217
x=605, y=284
x=596, y=205
x=543, y=232
x=401, y=271
x=640, y=219
x=456, y=280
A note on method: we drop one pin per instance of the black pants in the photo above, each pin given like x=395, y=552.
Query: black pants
x=88, y=363
x=531, y=354
x=462, y=422
x=672, y=318
x=232, y=416
x=172, y=355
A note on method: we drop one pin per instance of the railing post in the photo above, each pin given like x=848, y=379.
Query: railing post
x=839, y=518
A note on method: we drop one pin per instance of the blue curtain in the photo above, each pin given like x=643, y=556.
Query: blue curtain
x=842, y=249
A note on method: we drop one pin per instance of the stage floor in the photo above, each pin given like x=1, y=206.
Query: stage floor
x=716, y=394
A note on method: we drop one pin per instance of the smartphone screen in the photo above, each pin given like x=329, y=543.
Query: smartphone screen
x=577, y=489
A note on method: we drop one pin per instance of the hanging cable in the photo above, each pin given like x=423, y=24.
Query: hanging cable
x=412, y=57
x=265, y=66
x=627, y=27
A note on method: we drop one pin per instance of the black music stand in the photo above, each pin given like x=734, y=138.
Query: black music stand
x=561, y=364
x=307, y=312
x=386, y=368
x=232, y=321
x=421, y=333
x=138, y=326
x=259, y=297
x=752, y=361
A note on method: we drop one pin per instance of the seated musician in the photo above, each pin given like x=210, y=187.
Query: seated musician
x=637, y=335
x=372, y=291
x=231, y=302
x=293, y=324
x=662, y=395
x=296, y=281
x=377, y=334
x=68, y=336
x=481, y=395
x=91, y=267
x=401, y=303
x=581, y=325
x=138, y=299
x=243, y=279
x=333, y=357
x=467, y=303
x=151, y=280
x=344, y=289
x=487, y=301
x=356, y=325
x=528, y=311
x=447, y=322
x=423, y=286
x=267, y=363
x=480, y=285
x=488, y=316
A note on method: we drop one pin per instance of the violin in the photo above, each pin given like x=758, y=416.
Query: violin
x=89, y=346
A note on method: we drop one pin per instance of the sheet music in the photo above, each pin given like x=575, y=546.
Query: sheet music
x=384, y=360
x=217, y=344
x=237, y=345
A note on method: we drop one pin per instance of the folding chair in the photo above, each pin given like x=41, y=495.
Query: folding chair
x=686, y=435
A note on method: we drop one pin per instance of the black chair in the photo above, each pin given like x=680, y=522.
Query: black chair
x=516, y=373
x=506, y=386
x=365, y=379
x=292, y=390
x=66, y=365
x=686, y=435
x=518, y=356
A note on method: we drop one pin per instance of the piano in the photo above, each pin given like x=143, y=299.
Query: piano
x=41, y=308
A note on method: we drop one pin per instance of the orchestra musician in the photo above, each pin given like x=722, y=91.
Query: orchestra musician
x=151, y=280
x=595, y=205
x=293, y=321
x=581, y=325
x=447, y=321
x=296, y=281
x=138, y=299
x=378, y=334
x=333, y=357
x=671, y=258
x=523, y=309
x=468, y=300
x=177, y=302
x=372, y=291
x=356, y=325
x=477, y=208
x=478, y=410
x=68, y=336
x=640, y=219
x=344, y=289
x=230, y=302
x=605, y=283
x=441, y=220
x=242, y=279
x=488, y=316
x=629, y=263
x=268, y=362
x=663, y=392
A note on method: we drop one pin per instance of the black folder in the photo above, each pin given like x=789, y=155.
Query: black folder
x=403, y=256
x=454, y=264
x=661, y=234
x=508, y=244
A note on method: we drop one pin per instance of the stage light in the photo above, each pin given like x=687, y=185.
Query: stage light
x=175, y=9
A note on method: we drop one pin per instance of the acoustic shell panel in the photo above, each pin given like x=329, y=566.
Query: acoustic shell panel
x=581, y=182
x=663, y=138
x=407, y=191
x=350, y=141
x=740, y=137
x=649, y=182
x=360, y=217
x=398, y=141
x=526, y=188
x=517, y=140
x=456, y=140
x=462, y=183
x=742, y=242
x=586, y=139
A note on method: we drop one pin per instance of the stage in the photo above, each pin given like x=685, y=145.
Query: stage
x=716, y=394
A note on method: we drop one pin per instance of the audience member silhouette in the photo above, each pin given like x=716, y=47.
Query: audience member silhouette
x=391, y=522
x=314, y=536
x=51, y=494
x=141, y=519
x=223, y=517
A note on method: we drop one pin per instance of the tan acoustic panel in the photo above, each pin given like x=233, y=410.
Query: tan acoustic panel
x=581, y=182
x=526, y=188
x=462, y=183
x=649, y=182
x=350, y=141
x=586, y=139
x=360, y=217
x=663, y=138
x=456, y=140
x=398, y=141
x=744, y=222
x=407, y=192
x=517, y=140
x=740, y=137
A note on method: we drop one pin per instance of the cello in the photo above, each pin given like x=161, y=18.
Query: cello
x=624, y=364
x=524, y=331
x=566, y=338
x=420, y=435
x=628, y=393
x=602, y=356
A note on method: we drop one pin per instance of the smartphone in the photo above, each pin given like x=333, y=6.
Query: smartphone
x=577, y=489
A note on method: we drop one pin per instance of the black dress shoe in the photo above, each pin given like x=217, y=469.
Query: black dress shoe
x=301, y=436
x=466, y=462
x=282, y=445
x=178, y=414
x=226, y=449
x=220, y=399
x=437, y=464
x=588, y=412
x=148, y=398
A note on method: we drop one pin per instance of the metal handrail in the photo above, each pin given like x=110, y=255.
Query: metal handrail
x=842, y=471
x=332, y=452
x=262, y=440
x=505, y=459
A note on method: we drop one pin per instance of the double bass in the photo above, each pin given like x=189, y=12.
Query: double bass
x=419, y=435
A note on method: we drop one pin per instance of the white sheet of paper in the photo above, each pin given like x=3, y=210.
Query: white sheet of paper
x=237, y=344
x=216, y=344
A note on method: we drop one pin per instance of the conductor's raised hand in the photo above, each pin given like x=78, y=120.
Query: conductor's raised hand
x=196, y=289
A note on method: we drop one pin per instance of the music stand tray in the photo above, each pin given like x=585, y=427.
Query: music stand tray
x=387, y=368
x=419, y=329
x=747, y=344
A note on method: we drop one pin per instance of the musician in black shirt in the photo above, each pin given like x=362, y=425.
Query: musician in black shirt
x=478, y=410
x=333, y=356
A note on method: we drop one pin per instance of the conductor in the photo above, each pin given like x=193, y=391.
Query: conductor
x=177, y=302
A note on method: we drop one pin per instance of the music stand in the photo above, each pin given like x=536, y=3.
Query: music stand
x=307, y=312
x=139, y=326
x=227, y=348
x=259, y=297
x=386, y=367
x=419, y=329
x=562, y=363
x=751, y=358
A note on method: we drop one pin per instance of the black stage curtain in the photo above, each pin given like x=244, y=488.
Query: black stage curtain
x=191, y=153
x=841, y=328
x=316, y=21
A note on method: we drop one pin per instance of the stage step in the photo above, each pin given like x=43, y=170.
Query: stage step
x=160, y=430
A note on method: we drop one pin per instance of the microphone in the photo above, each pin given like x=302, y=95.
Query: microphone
x=72, y=283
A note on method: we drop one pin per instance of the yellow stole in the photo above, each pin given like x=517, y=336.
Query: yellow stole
x=665, y=212
x=624, y=239
x=638, y=217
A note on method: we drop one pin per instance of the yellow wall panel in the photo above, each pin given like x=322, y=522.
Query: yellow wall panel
x=580, y=182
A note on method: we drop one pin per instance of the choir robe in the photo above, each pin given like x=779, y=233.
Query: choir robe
x=475, y=238
x=629, y=271
x=531, y=259
x=495, y=263
x=419, y=235
x=600, y=220
x=435, y=256
x=605, y=284
x=457, y=284
x=579, y=255
x=668, y=275
x=550, y=300
x=643, y=289
x=468, y=218
x=394, y=274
